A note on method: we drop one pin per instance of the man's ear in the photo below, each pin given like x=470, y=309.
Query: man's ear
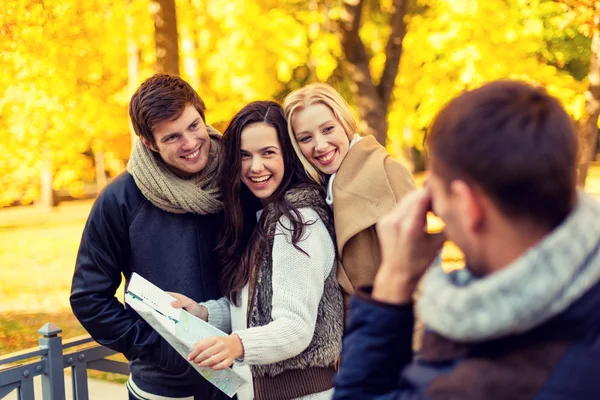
x=470, y=203
x=148, y=145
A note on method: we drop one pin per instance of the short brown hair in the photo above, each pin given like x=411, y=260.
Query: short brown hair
x=162, y=97
x=513, y=141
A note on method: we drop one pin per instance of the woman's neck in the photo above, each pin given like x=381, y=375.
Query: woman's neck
x=266, y=202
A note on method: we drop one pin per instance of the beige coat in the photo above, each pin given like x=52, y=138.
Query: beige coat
x=368, y=184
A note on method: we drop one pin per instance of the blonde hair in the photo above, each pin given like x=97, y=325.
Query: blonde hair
x=317, y=93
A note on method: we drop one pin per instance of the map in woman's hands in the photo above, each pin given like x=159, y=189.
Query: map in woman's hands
x=178, y=327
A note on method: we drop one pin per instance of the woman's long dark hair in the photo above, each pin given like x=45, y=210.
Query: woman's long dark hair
x=243, y=239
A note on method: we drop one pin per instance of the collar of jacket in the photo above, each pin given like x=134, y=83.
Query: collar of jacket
x=361, y=190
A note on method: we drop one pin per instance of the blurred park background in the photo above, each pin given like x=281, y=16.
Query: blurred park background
x=69, y=68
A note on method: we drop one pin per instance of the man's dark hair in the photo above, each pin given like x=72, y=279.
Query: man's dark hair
x=513, y=141
x=162, y=97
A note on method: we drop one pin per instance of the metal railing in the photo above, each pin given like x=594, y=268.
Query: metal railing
x=15, y=375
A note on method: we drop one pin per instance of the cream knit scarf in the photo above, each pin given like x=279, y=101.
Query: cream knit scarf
x=539, y=285
x=199, y=194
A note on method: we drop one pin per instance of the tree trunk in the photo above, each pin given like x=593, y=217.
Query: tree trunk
x=165, y=35
x=589, y=122
x=190, y=55
x=373, y=101
x=100, y=170
x=47, y=195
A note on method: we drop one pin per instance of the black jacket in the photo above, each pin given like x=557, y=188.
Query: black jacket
x=126, y=233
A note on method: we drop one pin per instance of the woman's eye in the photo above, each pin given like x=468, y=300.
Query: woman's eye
x=304, y=139
x=194, y=126
x=244, y=156
x=328, y=129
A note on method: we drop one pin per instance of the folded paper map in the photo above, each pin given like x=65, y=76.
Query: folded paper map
x=178, y=327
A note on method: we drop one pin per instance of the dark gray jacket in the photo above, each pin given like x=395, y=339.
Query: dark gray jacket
x=126, y=233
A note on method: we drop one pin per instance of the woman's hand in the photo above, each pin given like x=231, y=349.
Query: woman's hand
x=189, y=305
x=217, y=352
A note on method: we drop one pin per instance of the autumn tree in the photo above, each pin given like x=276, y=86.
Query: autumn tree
x=61, y=94
x=372, y=99
x=238, y=51
x=454, y=45
x=585, y=15
x=66, y=84
x=589, y=123
x=166, y=38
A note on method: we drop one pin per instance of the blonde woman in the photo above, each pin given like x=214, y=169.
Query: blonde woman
x=363, y=182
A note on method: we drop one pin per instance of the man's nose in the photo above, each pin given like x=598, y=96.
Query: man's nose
x=189, y=140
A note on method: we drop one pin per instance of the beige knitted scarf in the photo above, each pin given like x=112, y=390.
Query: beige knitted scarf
x=200, y=194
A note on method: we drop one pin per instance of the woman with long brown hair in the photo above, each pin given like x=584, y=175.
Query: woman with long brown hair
x=282, y=300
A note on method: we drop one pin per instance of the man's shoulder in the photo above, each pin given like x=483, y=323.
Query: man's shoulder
x=123, y=181
x=120, y=192
x=122, y=188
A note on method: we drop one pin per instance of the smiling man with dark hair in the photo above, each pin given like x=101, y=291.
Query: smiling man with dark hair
x=159, y=219
x=521, y=320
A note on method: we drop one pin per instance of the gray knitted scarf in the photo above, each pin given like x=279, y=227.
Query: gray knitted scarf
x=199, y=194
x=537, y=286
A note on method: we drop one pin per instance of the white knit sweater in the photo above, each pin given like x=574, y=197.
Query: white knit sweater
x=298, y=284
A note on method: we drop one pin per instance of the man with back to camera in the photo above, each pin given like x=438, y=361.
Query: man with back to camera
x=159, y=219
x=522, y=320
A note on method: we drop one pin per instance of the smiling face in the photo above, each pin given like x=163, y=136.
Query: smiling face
x=321, y=137
x=183, y=144
x=262, y=160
